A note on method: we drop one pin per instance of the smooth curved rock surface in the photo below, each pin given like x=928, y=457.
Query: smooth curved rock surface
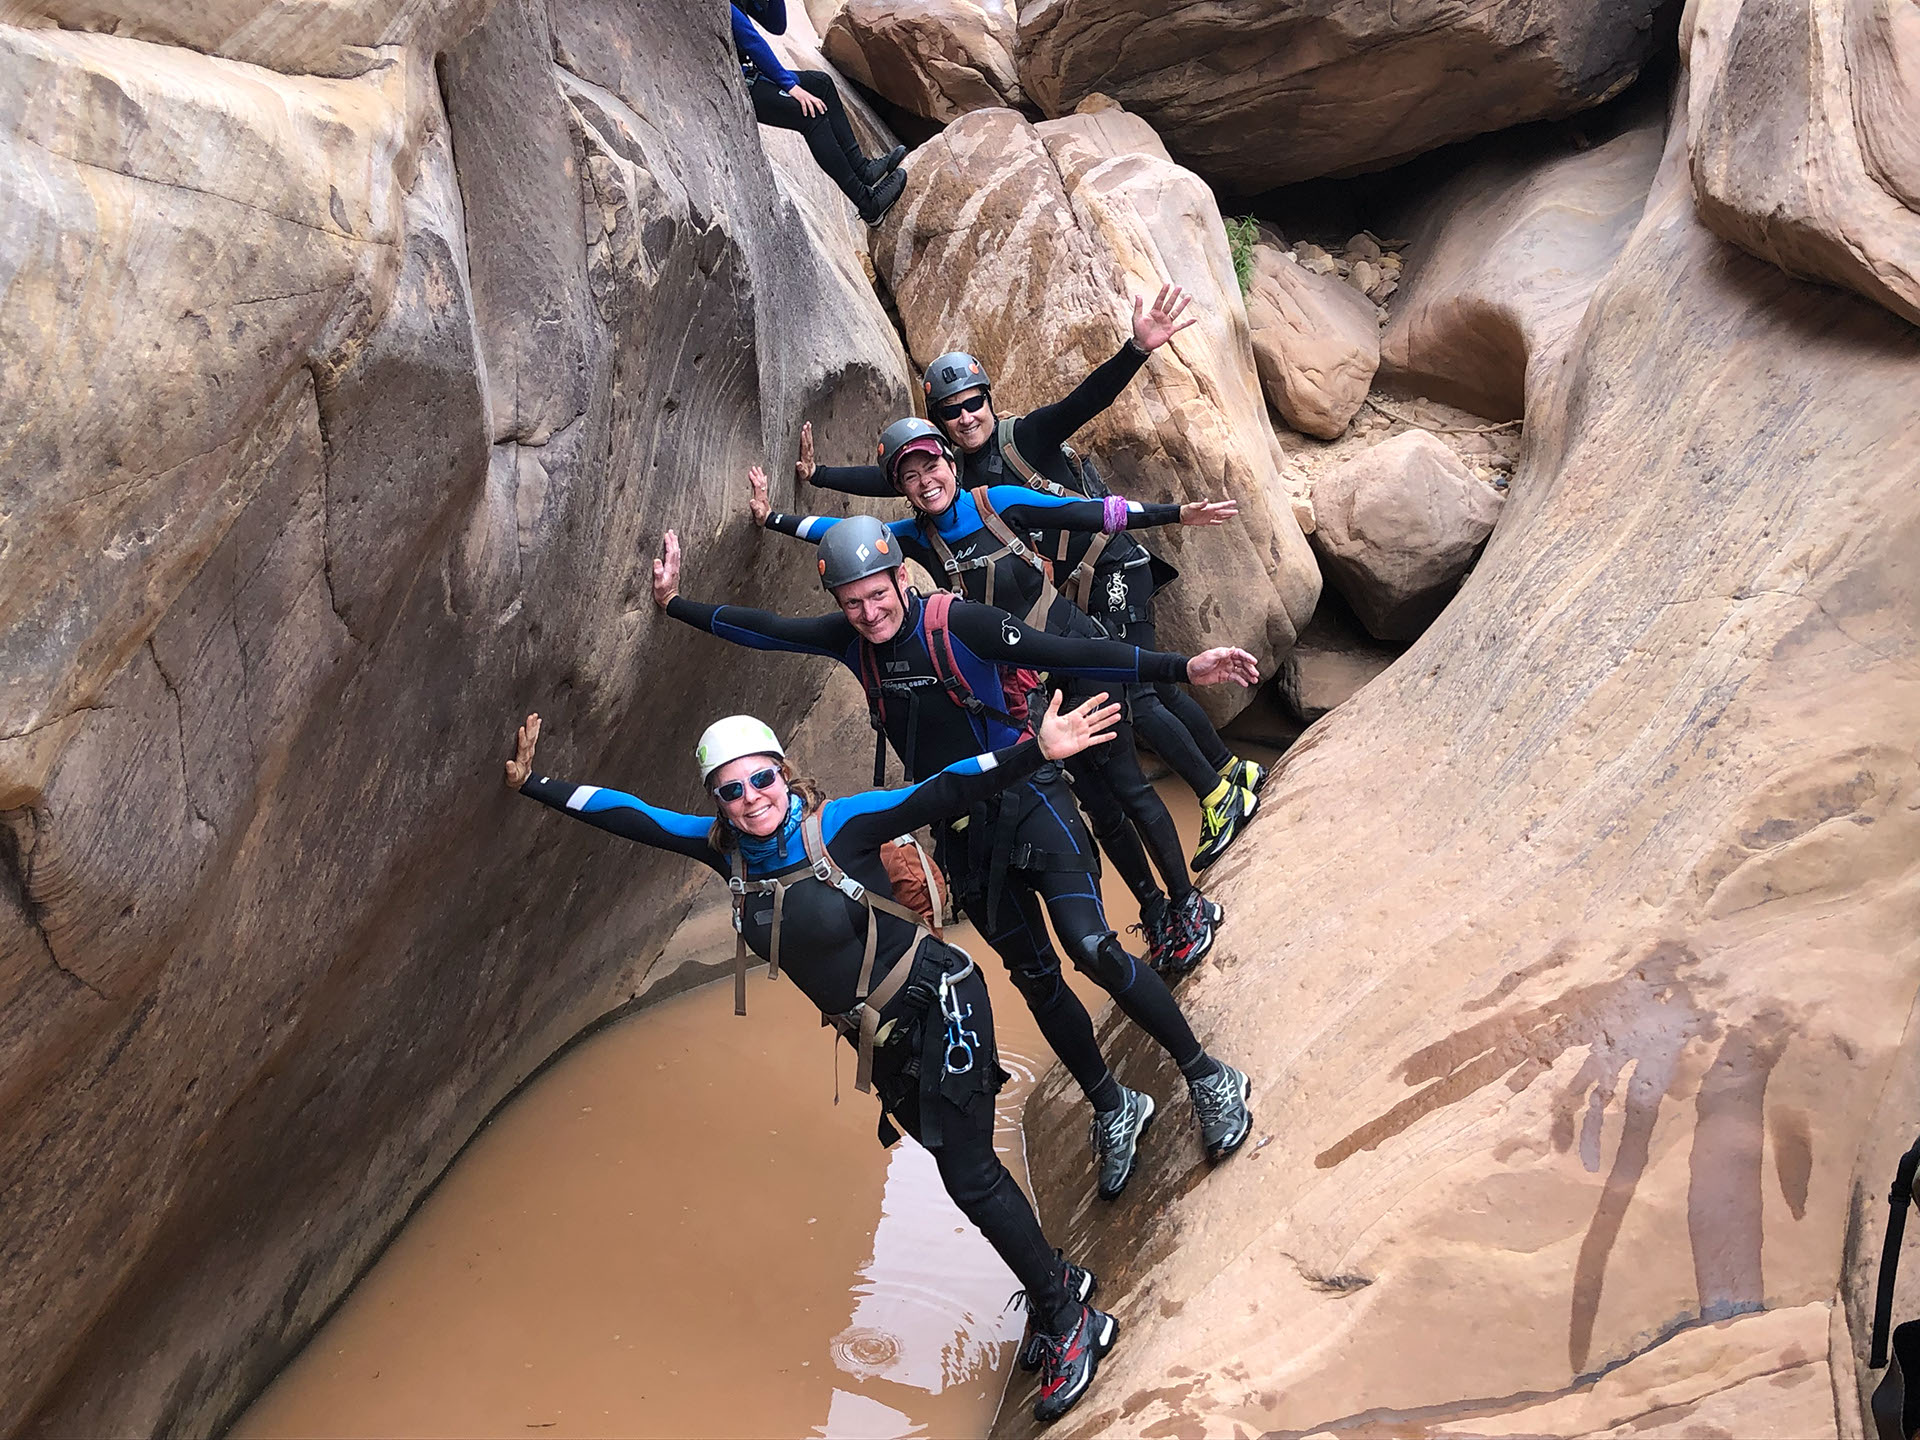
x=1022, y=243
x=1316, y=341
x=1504, y=258
x=1805, y=124
x=341, y=419
x=1254, y=95
x=1574, y=960
x=936, y=58
x=1397, y=527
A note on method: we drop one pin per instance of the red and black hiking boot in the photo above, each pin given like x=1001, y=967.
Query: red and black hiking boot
x=1069, y=1362
x=1080, y=1287
x=1156, y=931
x=1189, y=935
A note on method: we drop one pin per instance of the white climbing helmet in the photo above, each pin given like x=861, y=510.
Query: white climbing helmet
x=731, y=738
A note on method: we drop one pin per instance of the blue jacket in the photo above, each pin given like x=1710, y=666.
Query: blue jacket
x=751, y=46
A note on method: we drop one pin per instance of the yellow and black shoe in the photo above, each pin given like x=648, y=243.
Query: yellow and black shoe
x=1223, y=815
x=1247, y=774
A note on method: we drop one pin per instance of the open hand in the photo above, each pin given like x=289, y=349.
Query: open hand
x=810, y=104
x=521, y=766
x=757, y=503
x=1221, y=664
x=1153, y=328
x=666, y=570
x=1081, y=728
x=1208, y=512
x=803, y=467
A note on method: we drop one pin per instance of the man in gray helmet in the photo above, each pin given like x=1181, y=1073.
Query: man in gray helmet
x=941, y=687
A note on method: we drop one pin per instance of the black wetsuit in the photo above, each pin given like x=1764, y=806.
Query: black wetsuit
x=822, y=944
x=1046, y=859
x=1167, y=717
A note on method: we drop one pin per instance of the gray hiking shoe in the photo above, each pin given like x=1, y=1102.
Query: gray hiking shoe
x=1220, y=1105
x=1116, y=1137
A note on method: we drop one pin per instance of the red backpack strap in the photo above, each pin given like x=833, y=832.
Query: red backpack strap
x=939, y=638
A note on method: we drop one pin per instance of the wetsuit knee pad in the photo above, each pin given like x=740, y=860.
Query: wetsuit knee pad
x=1038, y=982
x=1105, y=961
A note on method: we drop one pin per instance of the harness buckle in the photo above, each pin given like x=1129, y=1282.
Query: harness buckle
x=738, y=885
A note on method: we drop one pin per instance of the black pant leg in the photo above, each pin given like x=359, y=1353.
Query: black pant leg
x=1119, y=766
x=972, y=1173
x=820, y=85
x=1111, y=825
x=773, y=106
x=1181, y=705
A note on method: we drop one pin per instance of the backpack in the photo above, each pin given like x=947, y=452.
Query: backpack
x=1076, y=585
x=1017, y=681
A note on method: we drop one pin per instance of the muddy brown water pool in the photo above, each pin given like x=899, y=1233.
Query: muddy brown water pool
x=675, y=1231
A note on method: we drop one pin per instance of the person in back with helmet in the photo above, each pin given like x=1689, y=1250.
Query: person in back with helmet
x=981, y=540
x=814, y=897
x=1018, y=858
x=1033, y=448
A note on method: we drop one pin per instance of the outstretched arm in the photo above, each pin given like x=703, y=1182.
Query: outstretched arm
x=1034, y=510
x=867, y=480
x=994, y=635
x=1045, y=429
x=880, y=815
x=611, y=810
x=829, y=635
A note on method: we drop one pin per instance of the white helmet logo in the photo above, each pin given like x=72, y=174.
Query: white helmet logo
x=864, y=553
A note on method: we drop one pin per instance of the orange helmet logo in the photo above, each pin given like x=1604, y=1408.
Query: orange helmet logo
x=880, y=545
x=823, y=567
x=927, y=385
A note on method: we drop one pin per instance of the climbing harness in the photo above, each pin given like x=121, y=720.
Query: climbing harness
x=863, y=1021
x=1010, y=544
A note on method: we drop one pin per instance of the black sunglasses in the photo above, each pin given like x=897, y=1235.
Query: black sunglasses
x=960, y=407
x=734, y=789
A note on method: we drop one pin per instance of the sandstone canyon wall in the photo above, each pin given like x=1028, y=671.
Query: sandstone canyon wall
x=353, y=357
x=1574, y=956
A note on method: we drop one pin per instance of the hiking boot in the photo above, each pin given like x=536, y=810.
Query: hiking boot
x=1116, y=1137
x=1245, y=773
x=872, y=172
x=880, y=197
x=1069, y=1362
x=1080, y=1287
x=1156, y=930
x=1220, y=1105
x=1221, y=821
x=1190, y=935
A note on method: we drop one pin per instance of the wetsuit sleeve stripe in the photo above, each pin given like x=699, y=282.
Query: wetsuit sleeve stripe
x=994, y=635
x=853, y=480
x=802, y=527
x=1042, y=431
x=879, y=815
x=631, y=818
x=828, y=635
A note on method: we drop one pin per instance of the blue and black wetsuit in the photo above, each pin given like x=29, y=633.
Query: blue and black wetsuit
x=822, y=945
x=1168, y=717
x=1046, y=866
x=1129, y=819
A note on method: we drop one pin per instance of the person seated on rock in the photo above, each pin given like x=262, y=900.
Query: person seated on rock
x=1019, y=857
x=974, y=538
x=1116, y=588
x=810, y=103
x=813, y=896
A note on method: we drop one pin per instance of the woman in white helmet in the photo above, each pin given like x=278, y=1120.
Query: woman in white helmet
x=812, y=896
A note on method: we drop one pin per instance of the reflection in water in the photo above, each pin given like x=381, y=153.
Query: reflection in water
x=676, y=1232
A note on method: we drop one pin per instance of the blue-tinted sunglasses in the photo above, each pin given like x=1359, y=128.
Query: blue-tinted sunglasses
x=960, y=407
x=734, y=789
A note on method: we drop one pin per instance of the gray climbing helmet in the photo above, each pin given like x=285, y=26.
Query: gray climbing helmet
x=912, y=433
x=951, y=373
x=859, y=546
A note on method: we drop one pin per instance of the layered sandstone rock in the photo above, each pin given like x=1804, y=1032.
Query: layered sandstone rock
x=936, y=58
x=1397, y=526
x=1316, y=340
x=1332, y=662
x=1505, y=256
x=1254, y=95
x=1574, y=960
x=1024, y=244
x=1804, y=117
x=341, y=419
